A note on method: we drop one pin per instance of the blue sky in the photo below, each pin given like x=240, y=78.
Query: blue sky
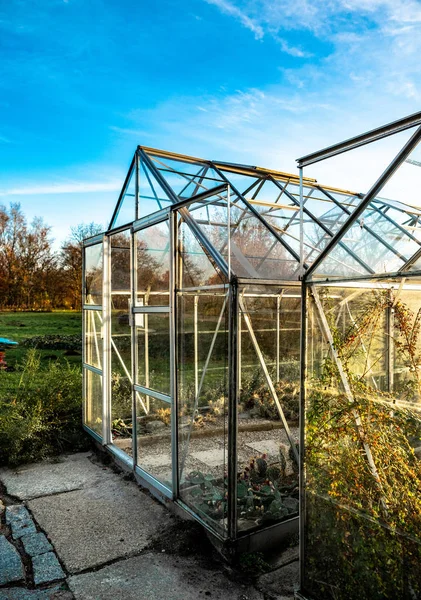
x=82, y=82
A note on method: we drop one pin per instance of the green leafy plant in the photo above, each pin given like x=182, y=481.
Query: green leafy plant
x=264, y=493
x=42, y=416
x=363, y=478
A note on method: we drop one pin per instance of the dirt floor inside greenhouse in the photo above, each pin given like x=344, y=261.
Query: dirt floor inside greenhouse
x=76, y=528
x=207, y=448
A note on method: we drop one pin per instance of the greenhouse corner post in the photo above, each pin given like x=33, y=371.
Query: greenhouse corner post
x=301, y=223
x=232, y=406
x=106, y=316
x=303, y=351
x=133, y=338
x=173, y=351
x=84, y=394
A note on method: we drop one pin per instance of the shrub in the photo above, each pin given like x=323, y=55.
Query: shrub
x=54, y=342
x=42, y=416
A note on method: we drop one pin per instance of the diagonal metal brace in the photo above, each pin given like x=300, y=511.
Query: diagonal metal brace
x=268, y=378
x=348, y=392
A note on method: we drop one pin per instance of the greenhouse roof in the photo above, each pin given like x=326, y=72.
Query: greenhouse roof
x=261, y=209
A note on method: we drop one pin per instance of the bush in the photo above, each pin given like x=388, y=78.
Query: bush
x=54, y=342
x=43, y=415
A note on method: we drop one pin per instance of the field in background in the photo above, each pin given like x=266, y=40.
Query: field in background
x=20, y=326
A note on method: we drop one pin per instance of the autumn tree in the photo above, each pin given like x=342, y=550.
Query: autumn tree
x=71, y=260
x=26, y=259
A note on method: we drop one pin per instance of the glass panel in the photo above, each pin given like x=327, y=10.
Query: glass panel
x=153, y=337
x=93, y=401
x=93, y=274
x=154, y=437
x=127, y=209
x=269, y=367
x=121, y=378
x=186, y=179
x=203, y=404
x=120, y=262
x=255, y=251
x=93, y=338
x=382, y=239
x=195, y=268
x=358, y=169
x=363, y=442
x=121, y=357
x=153, y=265
x=151, y=195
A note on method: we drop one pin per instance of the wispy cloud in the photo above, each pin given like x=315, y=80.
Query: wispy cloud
x=229, y=8
x=73, y=187
x=128, y=131
x=4, y=140
x=292, y=50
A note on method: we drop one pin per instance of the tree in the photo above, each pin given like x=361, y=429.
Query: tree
x=71, y=260
x=26, y=257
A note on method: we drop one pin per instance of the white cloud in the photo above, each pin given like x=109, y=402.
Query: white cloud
x=4, y=140
x=128, y=131
x=229, y=8
x=292, y=50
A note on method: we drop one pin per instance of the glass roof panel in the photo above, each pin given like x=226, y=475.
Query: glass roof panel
x=185, y=178
x=255, y=251
x=387, y=234
x=196, y=268
x=126, y=211
x=151, y=195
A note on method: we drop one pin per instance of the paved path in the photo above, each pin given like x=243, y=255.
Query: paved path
x=74, y=529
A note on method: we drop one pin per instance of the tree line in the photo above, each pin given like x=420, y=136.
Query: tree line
x=34, y=276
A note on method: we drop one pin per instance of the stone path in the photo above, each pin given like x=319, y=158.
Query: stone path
x=77, y=530
x=27, y=558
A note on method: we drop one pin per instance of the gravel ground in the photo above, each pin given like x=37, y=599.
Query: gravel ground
x=155, y=450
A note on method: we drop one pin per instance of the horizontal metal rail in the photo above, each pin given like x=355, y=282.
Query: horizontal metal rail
x=361, y=140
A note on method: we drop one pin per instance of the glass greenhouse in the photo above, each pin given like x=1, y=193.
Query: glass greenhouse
x=361, y=395
x=193, y=313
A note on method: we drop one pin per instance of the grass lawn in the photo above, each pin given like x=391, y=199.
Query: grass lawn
x=41, y=394
x=21, y=325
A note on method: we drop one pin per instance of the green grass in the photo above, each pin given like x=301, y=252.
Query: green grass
x=18, y=326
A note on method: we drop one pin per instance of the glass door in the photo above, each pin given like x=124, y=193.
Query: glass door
x=153, y=354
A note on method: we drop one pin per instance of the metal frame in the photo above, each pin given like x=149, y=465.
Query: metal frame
x=361, y=140
x=371, y=194
x=211, y=183
x=312, y=280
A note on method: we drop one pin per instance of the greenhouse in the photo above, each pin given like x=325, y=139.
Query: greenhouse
x=193, y=334
x=361, y=395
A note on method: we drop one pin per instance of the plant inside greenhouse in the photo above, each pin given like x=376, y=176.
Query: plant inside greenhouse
x=361, y=472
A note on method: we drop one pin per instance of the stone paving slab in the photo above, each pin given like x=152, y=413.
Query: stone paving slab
x=73, y=472
x=17, y=513
x=11, y=568
x=213, y=458
x=47, y=568
x=282, y=582
x=18, y=593
x=97, y=524
x=158, y=577
x=20, y=521
x=35, y=544
x=270, y=447
x=159, y=460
